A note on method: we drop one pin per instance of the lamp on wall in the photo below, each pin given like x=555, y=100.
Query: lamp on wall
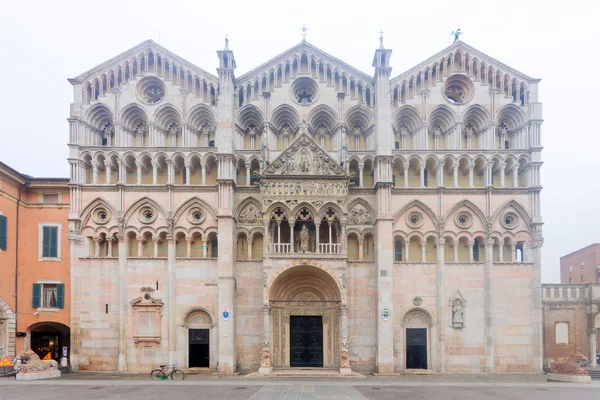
x=36, y=313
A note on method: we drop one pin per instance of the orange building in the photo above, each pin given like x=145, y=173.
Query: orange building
x=34, y=264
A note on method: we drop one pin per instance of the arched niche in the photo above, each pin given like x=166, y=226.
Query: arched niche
x=311, y=292
x=199, y=336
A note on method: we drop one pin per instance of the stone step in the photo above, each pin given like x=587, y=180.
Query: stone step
x=65, y=370
x=594, y=373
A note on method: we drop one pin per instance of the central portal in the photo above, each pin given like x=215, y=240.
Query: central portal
x=306, y=341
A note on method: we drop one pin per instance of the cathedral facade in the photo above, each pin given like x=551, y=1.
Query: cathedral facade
x=305, y=214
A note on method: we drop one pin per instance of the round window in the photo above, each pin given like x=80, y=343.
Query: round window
x=100, y=216
x=151, y=90
x=464, y=219
x=304, y=90
x=510, y=221
x=458, y=89
x=414, y=219
x=195, y=215
x=147, y=215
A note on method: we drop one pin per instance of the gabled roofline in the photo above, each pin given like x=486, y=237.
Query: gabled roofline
x=145, y=45
x=304, y=44
x=469, y=49
x=28, y=180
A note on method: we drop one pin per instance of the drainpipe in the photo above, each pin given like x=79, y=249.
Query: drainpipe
x=17, y=265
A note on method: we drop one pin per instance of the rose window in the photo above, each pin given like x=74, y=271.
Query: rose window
x=510, y=221
x=415, y=219
x=304, y=96
x=195, y=215
x=100, y=216
x=464, y=219
x=304, y=90
x=458, y=89
x=148, y=215
x=151, y=90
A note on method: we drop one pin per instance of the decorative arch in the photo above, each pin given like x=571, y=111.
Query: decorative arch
x=7, y=335
x=364, y=204
x=198, y=315
x=512, y=116
x=443, y=116
x=192, y=202
x=86, y=213
x=417, y=204
x=142, y=202
x=290, y=281
x=417, y=316
x=469, y=205
x=359, y=115
x=245, y=203
x=285, y=114
x=478, y=116
x=324, y=115
x=133, y=116
x=200, y=115
x=517, y=206
x=99, y=116
x=249, y=115
x=407, y=116
x=166, y=115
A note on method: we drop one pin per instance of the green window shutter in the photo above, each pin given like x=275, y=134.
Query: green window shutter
x=60, y=295
x=3, y=231
x=53, y=246
x=37, y=295
x=45, y=241
x=50, y=241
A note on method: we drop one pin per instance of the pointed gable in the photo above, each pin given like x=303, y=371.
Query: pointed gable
x=304, y=157
x=138, y=52
x=314, y=54
x=470, y=55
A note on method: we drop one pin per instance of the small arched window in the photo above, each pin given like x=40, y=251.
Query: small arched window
x=476, y=250
x=425, y=177
x=398, y=250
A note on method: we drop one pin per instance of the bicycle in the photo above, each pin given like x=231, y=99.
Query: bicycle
x=163, y=374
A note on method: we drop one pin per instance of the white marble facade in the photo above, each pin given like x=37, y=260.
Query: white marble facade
x=399, y=215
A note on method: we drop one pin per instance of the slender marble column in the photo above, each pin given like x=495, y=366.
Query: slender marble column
x=489, y=307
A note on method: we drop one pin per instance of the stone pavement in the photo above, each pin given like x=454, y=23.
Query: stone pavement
x=100, y=386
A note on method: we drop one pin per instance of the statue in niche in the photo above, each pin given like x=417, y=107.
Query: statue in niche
x=470, y=131
x=304, y=237
x=457, y=314
x=318, y=163
x=304, y=161
x=290, y=166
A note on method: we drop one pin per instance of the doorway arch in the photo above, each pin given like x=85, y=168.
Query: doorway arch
x=48, y=339
x=7, y=330
x=418, y=340
x=305, y=312
x=200, y=340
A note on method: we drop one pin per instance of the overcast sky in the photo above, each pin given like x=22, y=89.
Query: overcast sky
x=45, y=42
